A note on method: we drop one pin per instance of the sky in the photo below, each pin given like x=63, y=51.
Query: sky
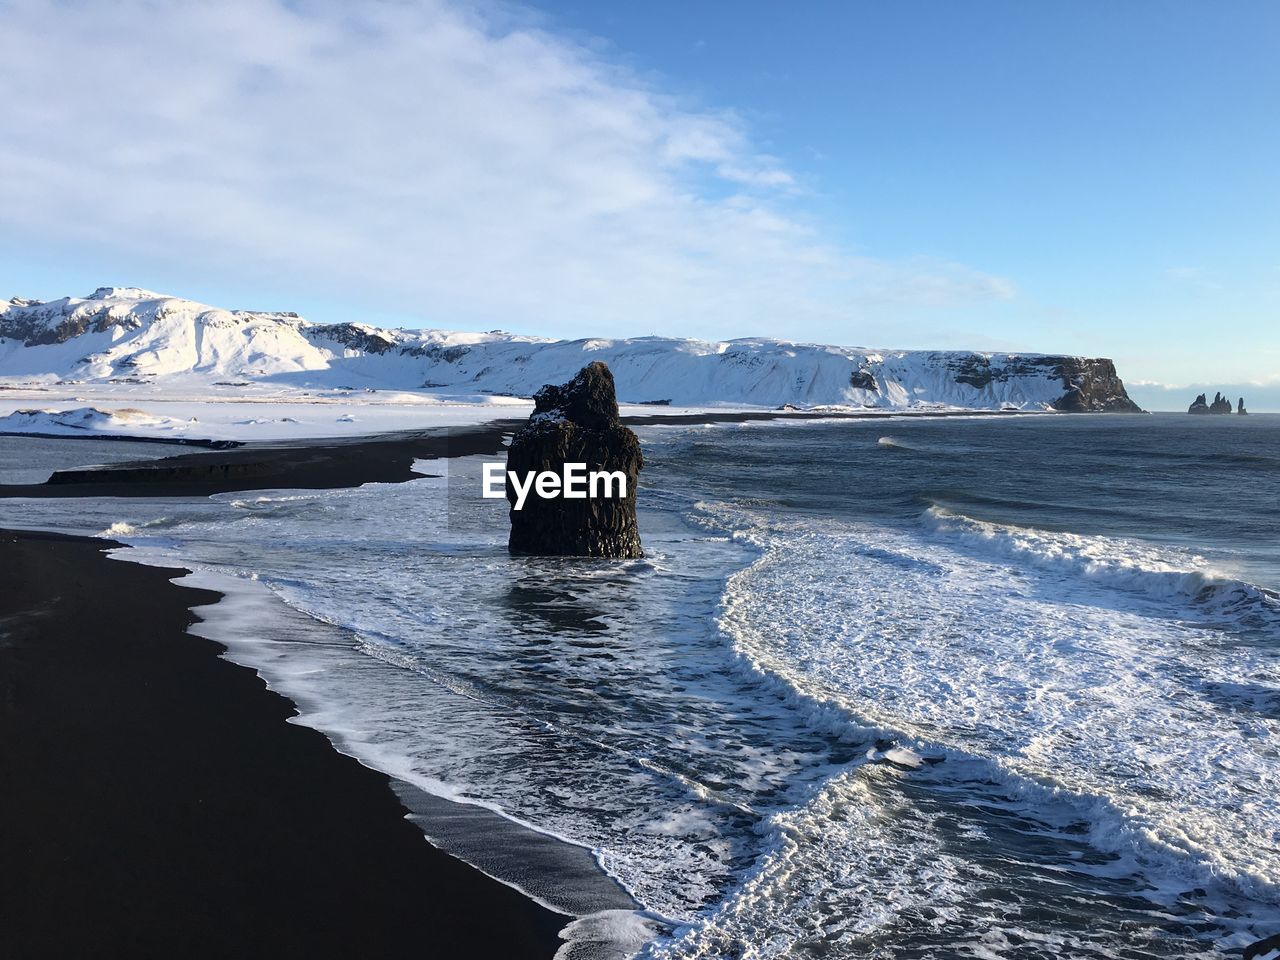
x=1088, y=177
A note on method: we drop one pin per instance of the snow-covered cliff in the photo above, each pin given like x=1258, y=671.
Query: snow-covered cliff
x=124, y=334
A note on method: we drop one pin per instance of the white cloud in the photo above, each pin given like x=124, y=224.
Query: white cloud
x=420, y=154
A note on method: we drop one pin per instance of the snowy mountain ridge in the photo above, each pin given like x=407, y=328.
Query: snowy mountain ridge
x=131, y=335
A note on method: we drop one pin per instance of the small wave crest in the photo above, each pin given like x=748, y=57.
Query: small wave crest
x=890, y=443
x=266, y=502
x=122, y=528
x=1160, y=573
x=609, y=933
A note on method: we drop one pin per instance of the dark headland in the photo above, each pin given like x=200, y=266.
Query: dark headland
x=155, y=801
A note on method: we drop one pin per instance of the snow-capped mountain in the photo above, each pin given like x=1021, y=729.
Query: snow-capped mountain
x=129, y=335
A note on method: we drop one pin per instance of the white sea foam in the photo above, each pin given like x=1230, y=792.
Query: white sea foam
x=608, y=935
x=123, y=529
x=843, y=868
x=1080, y=707
x=1159, y=572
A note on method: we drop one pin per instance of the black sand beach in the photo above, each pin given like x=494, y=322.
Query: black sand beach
x=157, y=803
x=301, y=465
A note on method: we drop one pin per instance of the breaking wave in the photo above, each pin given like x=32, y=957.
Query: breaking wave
x=1160, y=573
x=889, y=443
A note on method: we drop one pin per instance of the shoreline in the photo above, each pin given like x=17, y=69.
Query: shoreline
x=167, y=805
x=327, y=463
x=297, y=465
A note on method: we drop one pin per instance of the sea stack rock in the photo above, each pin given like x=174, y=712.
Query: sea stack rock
x=576, y=423
x=1240, y=409
x=1199, y=405
x=1220, y=404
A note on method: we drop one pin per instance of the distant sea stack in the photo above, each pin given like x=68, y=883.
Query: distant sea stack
x=1219, y=406
x=576, y=423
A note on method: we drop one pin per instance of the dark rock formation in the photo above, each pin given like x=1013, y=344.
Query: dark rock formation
x=1091, y=385
x=435, y=351
x=863, y=380
x=1261, y=948
x=58, y=321
x=351, y=335
x=576, y=423
x=1240, y=409
x=1220, y=405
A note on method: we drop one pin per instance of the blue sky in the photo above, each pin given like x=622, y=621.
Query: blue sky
x=1088, y=177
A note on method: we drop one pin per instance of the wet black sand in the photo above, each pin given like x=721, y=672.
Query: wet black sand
x=301, y=465
x=154, y=802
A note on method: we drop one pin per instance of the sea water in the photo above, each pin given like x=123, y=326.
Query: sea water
x=990, y=687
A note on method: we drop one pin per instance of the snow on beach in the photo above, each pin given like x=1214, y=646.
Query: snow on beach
x=254, y=414
x=133, y=411
x=79, y=420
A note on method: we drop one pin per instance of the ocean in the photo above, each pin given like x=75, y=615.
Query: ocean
x=978, y=687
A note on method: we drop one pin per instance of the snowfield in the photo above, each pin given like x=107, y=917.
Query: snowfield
x=132, y=411
x=128, y=346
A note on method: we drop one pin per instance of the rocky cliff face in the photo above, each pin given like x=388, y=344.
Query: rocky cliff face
x=1090, y=385
x=576, y=423
x=354, y=336
x=39, y=324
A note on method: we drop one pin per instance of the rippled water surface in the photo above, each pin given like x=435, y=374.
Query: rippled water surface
x=1001, y=687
